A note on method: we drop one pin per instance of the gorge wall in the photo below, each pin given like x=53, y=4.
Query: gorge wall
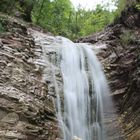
x=121, y=60
x=27, y=109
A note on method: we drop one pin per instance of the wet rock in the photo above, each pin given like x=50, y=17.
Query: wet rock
x=26, y=112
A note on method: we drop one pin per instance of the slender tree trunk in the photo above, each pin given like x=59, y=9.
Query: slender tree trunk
x=76, y=21
x=69, y=20
x=12, y=6
x=39, y=13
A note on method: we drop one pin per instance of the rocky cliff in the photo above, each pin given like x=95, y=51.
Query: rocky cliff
x=121, y=60
x=26, y=111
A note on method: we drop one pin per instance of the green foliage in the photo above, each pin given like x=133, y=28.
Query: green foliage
x=95, y=20
x=19, y=8
x=2, y=29
x=53, y=15
x=7, y=5
x=120, y=4
x=137, y=6
x=127, y=37
x=60, y=18
x=2, y=26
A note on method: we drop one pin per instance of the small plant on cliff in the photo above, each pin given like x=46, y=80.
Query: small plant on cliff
x=2, y=29
x=127, y=37
x=137, y=6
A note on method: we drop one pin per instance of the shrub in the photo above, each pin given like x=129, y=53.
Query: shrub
x=127, y=37
x=2, y=29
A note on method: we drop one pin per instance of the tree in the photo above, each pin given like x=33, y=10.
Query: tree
x=60, y=18
x=22, y=7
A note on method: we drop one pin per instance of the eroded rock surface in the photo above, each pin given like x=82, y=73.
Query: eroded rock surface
x=26, y=110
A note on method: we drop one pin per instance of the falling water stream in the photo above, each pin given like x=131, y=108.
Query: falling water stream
x=85, y=90
x=85, y=87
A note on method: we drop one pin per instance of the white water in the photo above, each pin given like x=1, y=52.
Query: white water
x=85, y=90
x=85, y=86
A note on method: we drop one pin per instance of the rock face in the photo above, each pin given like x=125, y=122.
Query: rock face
x=26, y=112
x=27, y=109
x=121, y=60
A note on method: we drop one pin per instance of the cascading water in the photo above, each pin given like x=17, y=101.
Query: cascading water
x=84, y=100
x=85, y=87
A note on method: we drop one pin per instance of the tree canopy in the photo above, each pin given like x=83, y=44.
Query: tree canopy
x=60, y=17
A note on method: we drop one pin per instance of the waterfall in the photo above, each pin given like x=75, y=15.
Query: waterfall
x=82, y=96
x=85, y=88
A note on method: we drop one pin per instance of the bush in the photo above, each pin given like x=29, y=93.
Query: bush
x=137, y=6
x=2, y=29
x=127, y=37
